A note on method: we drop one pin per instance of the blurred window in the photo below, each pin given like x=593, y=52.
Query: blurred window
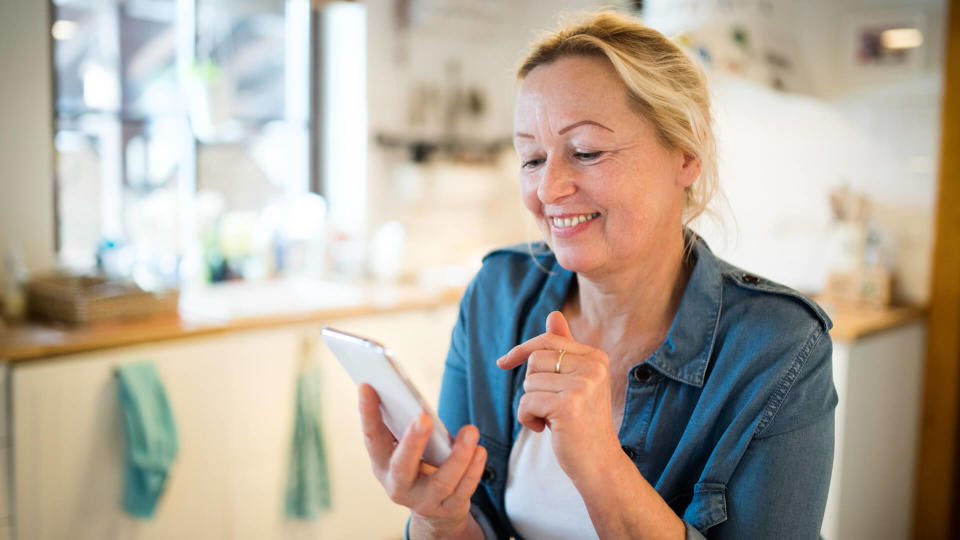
x=172, y=116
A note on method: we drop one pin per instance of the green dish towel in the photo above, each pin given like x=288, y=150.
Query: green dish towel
x=308, y=484
x=151, y=437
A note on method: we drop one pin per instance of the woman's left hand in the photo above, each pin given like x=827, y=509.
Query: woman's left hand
x=573, y=403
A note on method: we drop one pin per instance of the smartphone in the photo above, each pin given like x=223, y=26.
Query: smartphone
x=367, y=361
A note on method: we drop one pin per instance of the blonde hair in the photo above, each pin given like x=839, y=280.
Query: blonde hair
x=665, y=86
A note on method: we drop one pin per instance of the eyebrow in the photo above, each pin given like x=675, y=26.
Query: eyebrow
x=568, y=128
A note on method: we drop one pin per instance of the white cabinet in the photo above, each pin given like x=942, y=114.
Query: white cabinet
x=879, y=381
x=419, y=342
x=233, y=397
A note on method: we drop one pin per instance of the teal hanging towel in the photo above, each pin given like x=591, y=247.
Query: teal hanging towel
x=151, y=437
x=308, y=484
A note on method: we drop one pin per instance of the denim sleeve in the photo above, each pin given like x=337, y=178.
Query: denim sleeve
x=454, y=407
x=779, y=489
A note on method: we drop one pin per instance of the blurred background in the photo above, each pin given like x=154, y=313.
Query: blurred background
x=199, y=185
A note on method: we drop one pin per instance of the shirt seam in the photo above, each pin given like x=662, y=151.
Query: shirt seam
x=787, y=381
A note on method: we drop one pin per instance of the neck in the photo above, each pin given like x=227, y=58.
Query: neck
x=629, y=313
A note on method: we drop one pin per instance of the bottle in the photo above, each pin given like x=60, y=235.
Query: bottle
x=14, y=286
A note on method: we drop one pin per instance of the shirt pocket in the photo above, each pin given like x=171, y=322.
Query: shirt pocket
x=703, y=507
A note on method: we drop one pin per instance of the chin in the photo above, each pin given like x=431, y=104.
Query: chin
x=578, y=260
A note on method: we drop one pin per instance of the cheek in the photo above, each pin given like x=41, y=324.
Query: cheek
x=528, y=192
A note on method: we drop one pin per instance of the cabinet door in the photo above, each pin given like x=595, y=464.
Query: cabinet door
x=879, y=381
x=419, y=340
x=233, y=397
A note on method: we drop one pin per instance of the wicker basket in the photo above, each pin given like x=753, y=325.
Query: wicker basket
x=85, y=299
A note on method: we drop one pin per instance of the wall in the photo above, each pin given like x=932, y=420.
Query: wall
x=26, y=181
x=464, y=208
x=781, y=153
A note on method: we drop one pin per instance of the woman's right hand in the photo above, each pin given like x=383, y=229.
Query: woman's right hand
x=439, y=498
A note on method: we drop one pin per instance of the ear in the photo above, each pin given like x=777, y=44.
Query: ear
x=689, y=169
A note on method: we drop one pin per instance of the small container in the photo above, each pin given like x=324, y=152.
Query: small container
x=14, y=287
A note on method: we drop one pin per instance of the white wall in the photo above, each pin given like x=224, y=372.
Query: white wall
x=466, y=209
x=781, y=154
x=26, y=178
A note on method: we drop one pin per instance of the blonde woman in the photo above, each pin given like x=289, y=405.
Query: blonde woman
x=619, y=380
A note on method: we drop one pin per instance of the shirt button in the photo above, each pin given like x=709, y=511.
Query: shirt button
x=629, y=452
x=750, y=278
x=488, y=475
x=642, y=373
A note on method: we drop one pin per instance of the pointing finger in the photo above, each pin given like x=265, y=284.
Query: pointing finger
x=557, y=324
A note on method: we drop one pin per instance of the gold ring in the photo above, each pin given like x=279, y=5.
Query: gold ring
x=559, y=359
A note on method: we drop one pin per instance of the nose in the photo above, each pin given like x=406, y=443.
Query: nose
x=556, y=181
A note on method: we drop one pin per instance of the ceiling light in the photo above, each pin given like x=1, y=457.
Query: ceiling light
x=901, y=38
x=64, y=29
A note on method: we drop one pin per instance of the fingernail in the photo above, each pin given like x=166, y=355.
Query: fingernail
x=470, y=437
x=423, y=423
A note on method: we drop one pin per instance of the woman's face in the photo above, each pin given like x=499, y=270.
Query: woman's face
x=604, y=191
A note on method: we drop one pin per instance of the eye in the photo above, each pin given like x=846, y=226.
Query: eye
x=531, y=164
x=587, y=156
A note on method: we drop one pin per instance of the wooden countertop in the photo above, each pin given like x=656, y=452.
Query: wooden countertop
x=39, y=340
x=851, y=324
x=240, y=306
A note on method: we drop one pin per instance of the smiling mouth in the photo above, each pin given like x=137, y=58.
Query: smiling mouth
x=572, y=221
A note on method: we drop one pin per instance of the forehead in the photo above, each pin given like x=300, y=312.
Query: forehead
x=571, y=87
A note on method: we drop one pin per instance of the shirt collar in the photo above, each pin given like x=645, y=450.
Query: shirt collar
x=685, y=353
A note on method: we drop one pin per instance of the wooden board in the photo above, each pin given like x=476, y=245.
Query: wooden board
x=936, y=505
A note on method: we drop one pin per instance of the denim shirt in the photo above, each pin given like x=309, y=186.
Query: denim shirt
x=731, y=419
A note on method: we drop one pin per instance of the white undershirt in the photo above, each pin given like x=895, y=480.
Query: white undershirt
x=541, y=500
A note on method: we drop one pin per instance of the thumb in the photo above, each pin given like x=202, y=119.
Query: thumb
x=557, y=324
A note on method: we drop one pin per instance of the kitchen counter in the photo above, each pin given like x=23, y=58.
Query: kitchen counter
x=240, y=306
x=851, y=324
x=224, y=308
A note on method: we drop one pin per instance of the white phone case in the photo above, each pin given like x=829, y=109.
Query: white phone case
x=366, y=361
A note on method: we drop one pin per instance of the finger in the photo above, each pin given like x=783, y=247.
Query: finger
x=405, y=462
x=521, y=352
x=443, y=482
x=376, y=435
x=545, y=382
x=557, y=325
x=470, y=480
x=547, y=360
x=536, y=408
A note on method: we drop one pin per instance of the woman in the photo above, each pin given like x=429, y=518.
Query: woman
x=619, y=380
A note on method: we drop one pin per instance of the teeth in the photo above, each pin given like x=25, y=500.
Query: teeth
x=570, y=222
